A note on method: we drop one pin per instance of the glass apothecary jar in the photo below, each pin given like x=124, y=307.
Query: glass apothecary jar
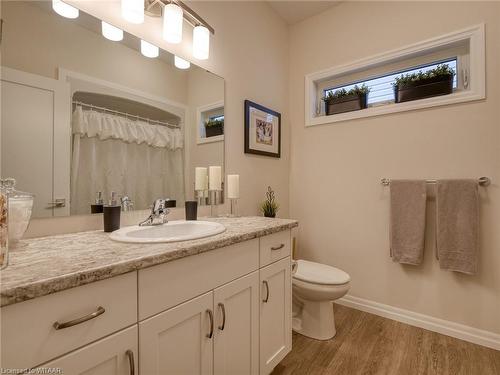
x=15, y=214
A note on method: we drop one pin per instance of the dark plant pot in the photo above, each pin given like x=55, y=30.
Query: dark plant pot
x=269, y=215
x=346, y=104
x=215, y=130
x=425, y=88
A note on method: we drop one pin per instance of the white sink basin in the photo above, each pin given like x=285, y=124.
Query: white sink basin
x=173, y=231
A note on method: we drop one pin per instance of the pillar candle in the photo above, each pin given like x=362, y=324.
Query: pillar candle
x=233, y=186
x=200, y=178
x=214, y=178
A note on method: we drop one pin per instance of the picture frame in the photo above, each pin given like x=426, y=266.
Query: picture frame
x=262, y=130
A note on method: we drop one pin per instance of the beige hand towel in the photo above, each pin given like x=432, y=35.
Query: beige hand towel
x=457, y=220
x=408, y=200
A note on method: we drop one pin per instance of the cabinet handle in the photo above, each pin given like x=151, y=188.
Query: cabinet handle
x=100, y=310
x=211, y=317
x=223, y=309
x=281, y=246
x=267, y=291
x=60, y=202
x=131, y=363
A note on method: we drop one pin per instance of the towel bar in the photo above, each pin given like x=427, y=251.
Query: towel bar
x=482, y=181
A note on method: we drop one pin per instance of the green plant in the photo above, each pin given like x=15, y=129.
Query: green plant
x=269, y=207
x=210, y=123
x=356, y=90
x=442, y=70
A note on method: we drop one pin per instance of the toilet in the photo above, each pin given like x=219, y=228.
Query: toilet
x=315, y=286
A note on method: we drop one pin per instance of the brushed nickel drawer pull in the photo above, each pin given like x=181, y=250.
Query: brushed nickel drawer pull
x=267, y=291
x=211, y=317
x=100, y=310
x=223, y=309
x=278, y=247
x=131, y=363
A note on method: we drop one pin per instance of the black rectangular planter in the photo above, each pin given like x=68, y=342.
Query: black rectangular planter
x=213, y=131
x=346, y=104
x=424, y=88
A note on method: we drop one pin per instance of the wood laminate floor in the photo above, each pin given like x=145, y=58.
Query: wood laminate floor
x=371, y=345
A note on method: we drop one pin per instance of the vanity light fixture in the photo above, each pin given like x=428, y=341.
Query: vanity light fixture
x=133, y=11
x=173, y=19
x=149, y=50
x=174, y=13
x=201, y=42
x=111, y=32
x=181, y=63
x=64, y=9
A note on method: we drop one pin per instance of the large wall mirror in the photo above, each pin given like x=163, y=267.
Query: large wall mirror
x=82, y=114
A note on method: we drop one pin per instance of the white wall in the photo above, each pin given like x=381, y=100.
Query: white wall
x=336, y=168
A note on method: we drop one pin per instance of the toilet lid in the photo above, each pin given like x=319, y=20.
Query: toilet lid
x=320, y=273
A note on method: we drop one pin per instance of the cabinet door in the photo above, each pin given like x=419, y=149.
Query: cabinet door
x=275, y=314
x=179, y=341
x=236, y=345
x=114, y=355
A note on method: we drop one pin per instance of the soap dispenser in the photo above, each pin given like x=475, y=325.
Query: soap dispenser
x=111, y=214
x=97, y=207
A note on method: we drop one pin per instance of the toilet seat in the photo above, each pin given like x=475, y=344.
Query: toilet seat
x=322, y=274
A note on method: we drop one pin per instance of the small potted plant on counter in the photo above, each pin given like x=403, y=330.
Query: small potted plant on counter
x=269, y=207
x=345, y=101
x=438, y=81
x=214, y=127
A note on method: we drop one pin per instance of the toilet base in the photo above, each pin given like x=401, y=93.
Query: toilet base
x=314, y=319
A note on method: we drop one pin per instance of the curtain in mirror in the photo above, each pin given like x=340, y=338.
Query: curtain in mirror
x=133, y=158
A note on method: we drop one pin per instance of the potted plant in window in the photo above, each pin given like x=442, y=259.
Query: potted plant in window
x=214, y=127
x=345, y=101
x=438, y=81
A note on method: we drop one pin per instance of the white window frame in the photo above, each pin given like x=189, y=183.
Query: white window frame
x=200, y=123
x=474, y=36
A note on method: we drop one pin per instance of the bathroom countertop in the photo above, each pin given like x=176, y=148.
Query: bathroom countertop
x=46, y=265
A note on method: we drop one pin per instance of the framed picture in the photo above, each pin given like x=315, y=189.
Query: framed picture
x=262, y=130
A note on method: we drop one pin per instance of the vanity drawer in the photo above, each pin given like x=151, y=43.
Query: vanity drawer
x=275, y=247
x=164, y=286
x=29, y=336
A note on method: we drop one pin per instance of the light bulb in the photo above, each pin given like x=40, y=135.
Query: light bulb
x=172, y=23
x=133, y=10
x=201, y=42
x=64, y=9
x=149, y=50
x=111, y=32
x=181, y=63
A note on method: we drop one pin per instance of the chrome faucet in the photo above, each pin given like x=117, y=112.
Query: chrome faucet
x=159, y=213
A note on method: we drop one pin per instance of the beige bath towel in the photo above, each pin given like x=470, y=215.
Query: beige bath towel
x=408, y=200
x=457, y=220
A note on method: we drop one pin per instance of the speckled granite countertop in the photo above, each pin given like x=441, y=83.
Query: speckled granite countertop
x=46, y=265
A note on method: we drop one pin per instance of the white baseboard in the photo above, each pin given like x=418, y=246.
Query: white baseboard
x=445, y=327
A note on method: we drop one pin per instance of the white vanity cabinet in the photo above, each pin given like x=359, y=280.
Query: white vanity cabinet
x=275, y=314
x=236, y=339
x=215, y=333
x=113, y=355
x=225, y=311
x=177, y=341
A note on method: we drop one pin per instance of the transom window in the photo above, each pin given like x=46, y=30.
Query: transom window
x=381, y=87
x=462, y=51
x=217, y=118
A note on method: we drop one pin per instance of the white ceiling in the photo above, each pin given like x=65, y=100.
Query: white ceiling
x=296, y=11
